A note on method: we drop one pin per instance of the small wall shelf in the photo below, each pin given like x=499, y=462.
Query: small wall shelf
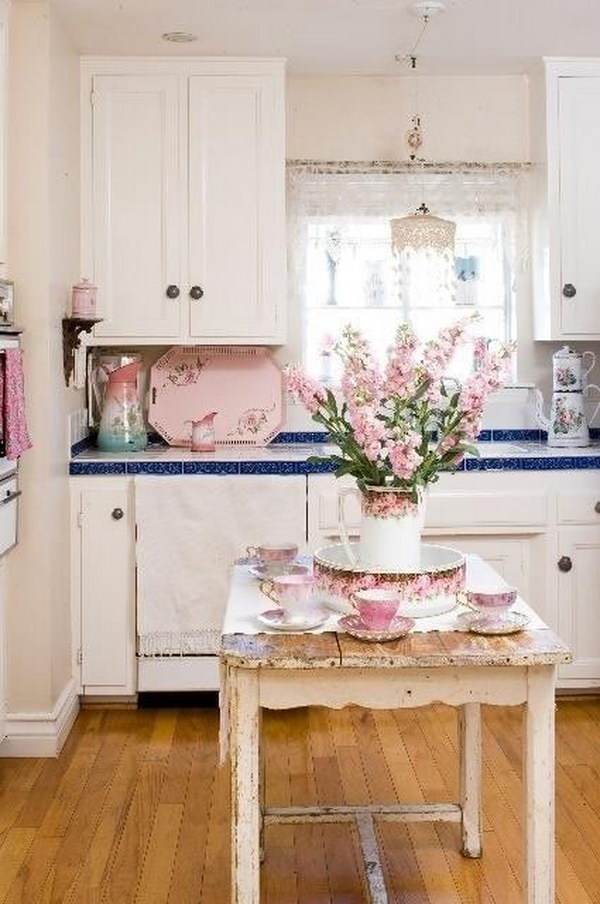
x=72, y=329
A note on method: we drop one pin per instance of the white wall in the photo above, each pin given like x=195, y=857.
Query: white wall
x=359, y=118
x=43, y=260
x=464, y=118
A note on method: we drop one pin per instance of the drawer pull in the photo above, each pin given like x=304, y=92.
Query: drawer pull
x=597, y=507
x=10, y=497
x=117, y=514
x=569, y=290
x=565, y=563
x=196, y=292
x=172, y=291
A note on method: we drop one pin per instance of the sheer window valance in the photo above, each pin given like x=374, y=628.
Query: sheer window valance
x=340, y=258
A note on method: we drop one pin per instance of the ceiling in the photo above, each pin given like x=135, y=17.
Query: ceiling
x=342, y=36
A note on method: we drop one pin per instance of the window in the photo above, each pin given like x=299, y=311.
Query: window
x=343, y=269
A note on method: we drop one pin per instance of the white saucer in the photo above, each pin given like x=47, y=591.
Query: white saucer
x=355, y=627
x=275, y=618
x=265, y=573
x=498, y=623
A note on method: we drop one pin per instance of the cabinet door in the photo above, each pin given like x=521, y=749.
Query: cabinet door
x=135, y=205
x=107, y=591
x=579, y=600
x=579, y=211
x=236, y=208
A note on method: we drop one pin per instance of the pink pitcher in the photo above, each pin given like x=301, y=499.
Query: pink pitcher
x=122, y=426
x=203, y=433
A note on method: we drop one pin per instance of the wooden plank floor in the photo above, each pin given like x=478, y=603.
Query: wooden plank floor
x=135, y=810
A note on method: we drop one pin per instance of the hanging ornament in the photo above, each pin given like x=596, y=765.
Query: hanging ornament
x=414, y=136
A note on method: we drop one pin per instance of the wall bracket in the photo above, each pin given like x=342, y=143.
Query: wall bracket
x=72, y=328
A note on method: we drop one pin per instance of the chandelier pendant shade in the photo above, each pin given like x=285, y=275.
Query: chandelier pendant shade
x=421, y=230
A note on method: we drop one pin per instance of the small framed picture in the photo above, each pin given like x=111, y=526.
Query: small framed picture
x=7, y=301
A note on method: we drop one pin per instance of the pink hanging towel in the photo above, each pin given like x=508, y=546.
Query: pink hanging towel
x=12, y=402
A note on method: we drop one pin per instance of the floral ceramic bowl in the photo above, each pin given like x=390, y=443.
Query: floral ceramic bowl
x=429, y=590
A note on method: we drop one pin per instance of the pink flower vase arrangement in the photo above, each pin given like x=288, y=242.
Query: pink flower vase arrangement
x=397, y=428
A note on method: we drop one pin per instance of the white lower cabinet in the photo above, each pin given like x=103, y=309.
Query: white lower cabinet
x=103, y=557
x=540, y=530
x=104, y=574
x=577, y=572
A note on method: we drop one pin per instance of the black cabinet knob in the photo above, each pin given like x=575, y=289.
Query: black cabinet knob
x=172, y=291
x=565, y=563
x=569, y=290
x=597, y=507
x=196, y=292
x=117, y=514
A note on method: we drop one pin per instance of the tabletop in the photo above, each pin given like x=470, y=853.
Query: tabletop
x=437, y=649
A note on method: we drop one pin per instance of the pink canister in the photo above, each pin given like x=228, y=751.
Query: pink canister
x=83, y=300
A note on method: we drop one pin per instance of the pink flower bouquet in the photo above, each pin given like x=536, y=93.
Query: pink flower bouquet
x=403, y=424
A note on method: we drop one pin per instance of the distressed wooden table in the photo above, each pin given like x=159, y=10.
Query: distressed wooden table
x=463, y=670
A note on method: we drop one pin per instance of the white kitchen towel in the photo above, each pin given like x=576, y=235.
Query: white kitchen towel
x=189, y=532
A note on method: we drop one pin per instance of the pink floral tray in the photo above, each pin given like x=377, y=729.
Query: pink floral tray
x=243, y=385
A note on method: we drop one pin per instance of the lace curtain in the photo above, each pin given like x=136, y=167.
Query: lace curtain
x=340, y=256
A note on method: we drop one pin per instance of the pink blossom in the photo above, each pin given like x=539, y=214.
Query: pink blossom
x=369, y=431
x=362, y=383
x=438, y=352
x=400, y=369
x=302, y=387
x=403, y=456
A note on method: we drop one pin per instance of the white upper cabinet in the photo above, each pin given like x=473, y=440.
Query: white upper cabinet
x=184, y=200
x=234, y=253
x=565, y=134
x=136, y=200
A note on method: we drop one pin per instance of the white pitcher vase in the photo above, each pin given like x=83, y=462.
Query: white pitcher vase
x=391, y=528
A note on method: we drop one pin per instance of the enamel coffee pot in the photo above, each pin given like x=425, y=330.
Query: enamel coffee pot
x=567, y=425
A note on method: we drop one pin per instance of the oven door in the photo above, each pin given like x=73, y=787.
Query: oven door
x=9, y=493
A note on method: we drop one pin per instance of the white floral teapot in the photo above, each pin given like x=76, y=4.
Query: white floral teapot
x=567, y=425
x=568, y=374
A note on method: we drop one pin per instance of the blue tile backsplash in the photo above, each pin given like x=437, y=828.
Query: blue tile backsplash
x=535, y=457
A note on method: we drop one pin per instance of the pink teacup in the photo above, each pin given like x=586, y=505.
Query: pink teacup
x=273, y=556
x=294, y=593
x=492, y=600
x=377, y=608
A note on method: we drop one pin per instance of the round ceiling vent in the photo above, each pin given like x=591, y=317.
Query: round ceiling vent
x=426, y=9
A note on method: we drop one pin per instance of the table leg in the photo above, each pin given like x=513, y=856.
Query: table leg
x=538, y=785
x=261, y=786
x=470, y=778
x=245, y=780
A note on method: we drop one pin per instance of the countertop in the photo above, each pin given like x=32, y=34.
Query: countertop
x=292, y=458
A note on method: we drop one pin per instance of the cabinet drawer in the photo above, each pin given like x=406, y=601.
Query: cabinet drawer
x=9, y=494
x=444, y=510
x=578, y=508
x=486, y=510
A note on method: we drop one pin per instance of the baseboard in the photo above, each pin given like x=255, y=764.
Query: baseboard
x=178, y=673
x=43, y=733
